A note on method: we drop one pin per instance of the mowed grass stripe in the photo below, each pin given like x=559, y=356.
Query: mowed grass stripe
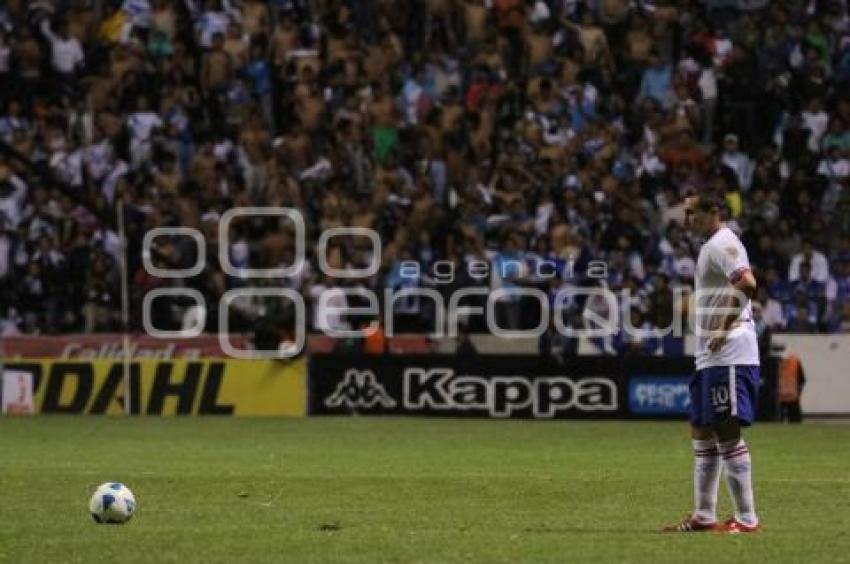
x=404, y=490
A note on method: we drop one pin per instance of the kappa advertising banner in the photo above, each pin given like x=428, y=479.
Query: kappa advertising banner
x=496, y=386
x=157, y=387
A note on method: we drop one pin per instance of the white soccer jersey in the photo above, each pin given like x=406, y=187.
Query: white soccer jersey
x=721, y=259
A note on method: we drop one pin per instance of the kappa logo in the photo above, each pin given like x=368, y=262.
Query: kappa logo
x=360, y=389
x=441, y=389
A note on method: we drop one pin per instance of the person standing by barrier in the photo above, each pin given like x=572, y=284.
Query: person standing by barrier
x=375, y=341
x=465, y=348
x=791, y=382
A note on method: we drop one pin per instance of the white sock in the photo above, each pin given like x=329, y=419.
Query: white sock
x=736, y=460
x=706, y=480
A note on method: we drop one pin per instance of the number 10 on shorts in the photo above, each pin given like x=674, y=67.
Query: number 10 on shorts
x=720, y=395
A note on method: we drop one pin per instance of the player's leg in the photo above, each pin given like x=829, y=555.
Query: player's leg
x=706, y=483
x=743, y=386
x=706, y=470
x=707, y=465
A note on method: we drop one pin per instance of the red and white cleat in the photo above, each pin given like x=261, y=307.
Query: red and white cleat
x=691, y=525
x=735, y=527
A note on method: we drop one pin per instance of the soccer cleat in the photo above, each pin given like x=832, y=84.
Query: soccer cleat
x=735, y=527
x=690, y=525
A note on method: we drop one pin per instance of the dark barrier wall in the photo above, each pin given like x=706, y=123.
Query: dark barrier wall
x=599, y=387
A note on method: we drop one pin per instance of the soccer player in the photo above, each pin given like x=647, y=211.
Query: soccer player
x=724, y=389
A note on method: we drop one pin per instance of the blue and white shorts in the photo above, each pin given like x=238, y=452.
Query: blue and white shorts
x=719, y=393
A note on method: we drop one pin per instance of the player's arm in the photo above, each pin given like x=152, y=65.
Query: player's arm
x=744, y=285
x=734, y=263
x=744, y=281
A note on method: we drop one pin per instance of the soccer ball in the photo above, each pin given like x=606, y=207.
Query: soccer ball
x=112, y=502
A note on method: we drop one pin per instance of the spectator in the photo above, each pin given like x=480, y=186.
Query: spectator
x=13, y=193
x=259, y=71
x=816, y=121
x=657, y=82
x=5, y=57
x=555, y=344
x=143, y=124
x=771, y=311
x=738, y=161
x=375, y=341
x=328, y=306
x=816, y=261
x=465, y=348
x=509, y=269
x=67, y=56
x=578, y=131
x=808, y=299
x=792, y=379
x=638, y=337
x=840, y=302
x=661, y=303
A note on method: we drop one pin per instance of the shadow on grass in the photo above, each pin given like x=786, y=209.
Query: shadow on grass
x=590, y=530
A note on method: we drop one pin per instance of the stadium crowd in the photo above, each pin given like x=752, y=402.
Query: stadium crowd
x=515, y=132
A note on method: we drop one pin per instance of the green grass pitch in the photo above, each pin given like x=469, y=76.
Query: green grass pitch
x=405, y=490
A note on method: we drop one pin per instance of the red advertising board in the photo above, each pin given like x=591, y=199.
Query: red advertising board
x=110, y=346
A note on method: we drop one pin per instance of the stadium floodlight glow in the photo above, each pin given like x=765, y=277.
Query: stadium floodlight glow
x=499, y=293
x=322, y=256
x=261, y=211
x=300, y=324
x=195, y=331
x=194, y=270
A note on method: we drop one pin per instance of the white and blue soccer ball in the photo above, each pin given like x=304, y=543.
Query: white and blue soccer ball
x=112, y=502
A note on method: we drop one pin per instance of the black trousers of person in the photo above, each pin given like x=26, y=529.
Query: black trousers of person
x=790, y=412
